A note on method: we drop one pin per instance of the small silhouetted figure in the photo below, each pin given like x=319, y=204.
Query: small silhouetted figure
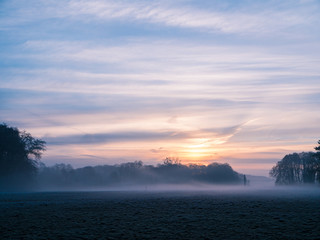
x=244, y=180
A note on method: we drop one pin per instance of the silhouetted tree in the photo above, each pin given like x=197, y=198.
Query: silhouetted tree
x=19, y=153
x=317, y=156
x=171, y=161
x=288, y=171
x=318, y=148
x=309, y=167
x=296, y=169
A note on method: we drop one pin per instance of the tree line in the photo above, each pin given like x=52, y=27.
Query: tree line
x=135, y=174
x=298, y=168
x=20, y=168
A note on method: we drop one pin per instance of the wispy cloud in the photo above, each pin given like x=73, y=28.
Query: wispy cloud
x=250, y=17
x=213, y=136
x=113, y=137
x=164, y=65
x=242, y=20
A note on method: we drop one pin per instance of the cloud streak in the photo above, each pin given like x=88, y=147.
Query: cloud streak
x=113, y=137
x=241, y=20
x=220, y=136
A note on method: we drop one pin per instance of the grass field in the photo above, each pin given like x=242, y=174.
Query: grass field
x=211, y=214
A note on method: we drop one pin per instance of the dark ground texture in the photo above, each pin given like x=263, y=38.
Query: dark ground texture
x=266, y=214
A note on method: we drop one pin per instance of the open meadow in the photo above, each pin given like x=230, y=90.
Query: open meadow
x=235, y=213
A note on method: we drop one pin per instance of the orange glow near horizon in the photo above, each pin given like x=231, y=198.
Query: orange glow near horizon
x=190, y=151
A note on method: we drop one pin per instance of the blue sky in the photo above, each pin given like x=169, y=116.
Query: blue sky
x=105, y=82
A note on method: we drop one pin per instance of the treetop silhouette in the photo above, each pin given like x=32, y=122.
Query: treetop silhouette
x=19, y=153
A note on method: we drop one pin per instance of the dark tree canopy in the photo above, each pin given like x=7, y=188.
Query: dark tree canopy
x=297, y=169
x=317, y=154
x=318, y=147
x=19, y=153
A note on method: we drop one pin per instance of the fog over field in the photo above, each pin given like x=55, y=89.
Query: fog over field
x=136, y=176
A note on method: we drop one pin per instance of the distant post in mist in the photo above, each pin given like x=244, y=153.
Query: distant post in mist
x=244, y=180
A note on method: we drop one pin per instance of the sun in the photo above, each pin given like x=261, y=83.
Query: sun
x=200, y=149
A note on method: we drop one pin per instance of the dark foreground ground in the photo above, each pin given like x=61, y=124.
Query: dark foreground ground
x=215, y=214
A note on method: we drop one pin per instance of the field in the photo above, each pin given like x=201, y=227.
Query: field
x=208, y=214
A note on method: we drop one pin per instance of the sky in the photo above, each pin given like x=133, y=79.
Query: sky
x=107, y=82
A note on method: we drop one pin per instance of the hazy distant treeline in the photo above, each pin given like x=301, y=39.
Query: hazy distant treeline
x=135, y=173
x=20, y=169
